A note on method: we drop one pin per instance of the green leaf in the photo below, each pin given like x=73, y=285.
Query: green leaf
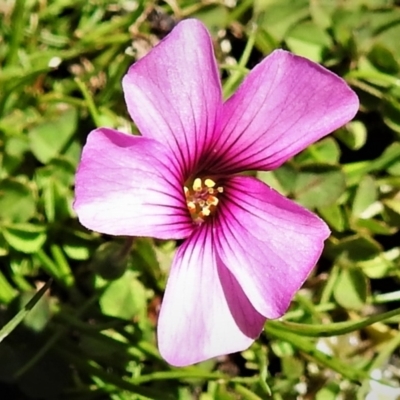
x=388, y=157
x=12, y=156
x=382, y=265
x=292, y=367
x=17, y=203
x=344, y=22
x=282, y=349
x=321, y=13
x=334, y=216
x=373, y=226
x=59, y=170
x=48, y=139
x=383, y=59
x=279, y=16
x=328, y=392
x=319, y=185
x=212, y=17
x=77, y=247
x=54, y=181
x=366, y=194
x=351, y=289
x=7, y=292
x=264, y=42
x=145, y=260
x=272, y=181
x=355, y=171
x=124, y=298
x=4, y=247
x=49, y=201
x=392, y=211
x=308, y=40
x=25, y=237
x=354, y=248
x=57, y=201
x=353, y=135
x=326, y=151
x=389, y=30
x=391, y=114
x=394, y=169
x=286, y=176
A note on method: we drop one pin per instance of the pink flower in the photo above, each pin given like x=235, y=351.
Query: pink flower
x=246, y=249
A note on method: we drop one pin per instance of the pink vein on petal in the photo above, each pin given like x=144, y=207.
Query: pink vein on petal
x=204, y=313
x=283, y=105
x=125, y=185
x=269, y=243
x=174, y=93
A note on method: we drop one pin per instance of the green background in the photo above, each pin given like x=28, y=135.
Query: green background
x=92, y=334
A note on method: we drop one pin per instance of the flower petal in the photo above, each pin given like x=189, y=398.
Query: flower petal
x=125, y=186
x=286, y=103
x=173, y=94
x=269, y=243
x=204, y=311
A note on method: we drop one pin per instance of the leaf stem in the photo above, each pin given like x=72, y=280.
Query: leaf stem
x=334, y=329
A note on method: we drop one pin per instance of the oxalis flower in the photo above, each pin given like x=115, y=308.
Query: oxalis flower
x=246, y=248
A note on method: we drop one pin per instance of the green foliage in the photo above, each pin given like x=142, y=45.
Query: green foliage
x=92, y=334
x=44, y=143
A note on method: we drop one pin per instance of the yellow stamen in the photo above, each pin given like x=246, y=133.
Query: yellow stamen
x=202, y=198
x=206, y=211
x=212, y=201
x=191, y=206
x=197, y=185
x=209, y=183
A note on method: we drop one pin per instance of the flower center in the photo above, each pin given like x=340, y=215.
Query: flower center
x=202, y=198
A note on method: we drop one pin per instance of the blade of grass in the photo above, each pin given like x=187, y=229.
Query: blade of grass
x=56, y=336
x=11, y=325
x=17, y=31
